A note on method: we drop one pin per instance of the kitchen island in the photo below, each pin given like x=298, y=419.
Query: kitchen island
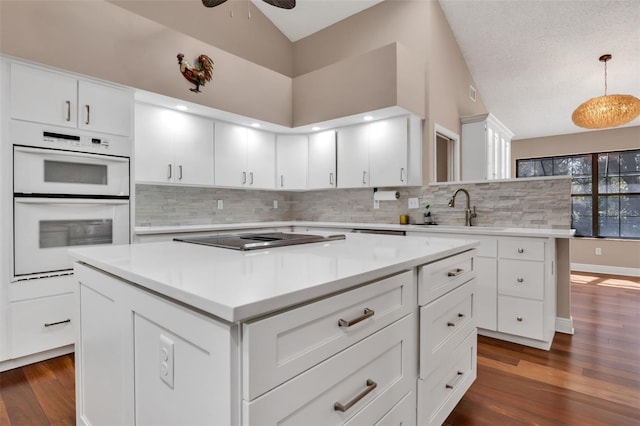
x=325, y=333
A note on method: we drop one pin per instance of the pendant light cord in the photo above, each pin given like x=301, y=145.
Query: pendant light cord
x=605, y=77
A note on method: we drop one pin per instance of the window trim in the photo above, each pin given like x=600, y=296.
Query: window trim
x=595, y=188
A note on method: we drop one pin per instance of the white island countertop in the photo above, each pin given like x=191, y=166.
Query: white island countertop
x=235, y=285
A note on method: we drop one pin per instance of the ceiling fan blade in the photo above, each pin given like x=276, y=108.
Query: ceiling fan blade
x=283, y=4
x=212, y=3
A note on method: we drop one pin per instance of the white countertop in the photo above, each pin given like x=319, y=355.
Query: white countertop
x=429, y=229
x=236, y=286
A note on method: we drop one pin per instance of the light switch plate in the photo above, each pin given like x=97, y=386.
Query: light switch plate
x=220, y=204
x=413, y=203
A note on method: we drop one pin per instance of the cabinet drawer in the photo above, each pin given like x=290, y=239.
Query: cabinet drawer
x=437, y=278
x=521, y=278
x=373, y=374
x=41, y=324
x=441, y=391
x=521, y=248
x=522, y=317
x=444, y=323
x=284, y=345
x=403, y=413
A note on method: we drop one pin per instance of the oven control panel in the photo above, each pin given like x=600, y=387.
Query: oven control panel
x=59, y=140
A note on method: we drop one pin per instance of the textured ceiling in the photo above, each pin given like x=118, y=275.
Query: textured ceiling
x=535, y=61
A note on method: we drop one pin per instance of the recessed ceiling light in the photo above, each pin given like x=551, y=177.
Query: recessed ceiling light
x=314, y=128
x=367, y=118
x=255, y=124
x=182, y=107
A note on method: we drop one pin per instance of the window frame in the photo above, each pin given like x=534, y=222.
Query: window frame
x=595, y=193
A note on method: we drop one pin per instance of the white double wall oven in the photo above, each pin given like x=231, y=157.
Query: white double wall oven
x=70, y=189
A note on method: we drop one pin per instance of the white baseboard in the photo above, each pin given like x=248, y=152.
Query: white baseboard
x=564, y=325
x=604, y=269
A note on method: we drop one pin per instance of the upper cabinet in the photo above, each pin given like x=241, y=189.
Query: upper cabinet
x=486, y=148
x=244, y=157
x=173, y=147
x=292, y=157
x=381, y=153
x=63, y=100
x=322, y=160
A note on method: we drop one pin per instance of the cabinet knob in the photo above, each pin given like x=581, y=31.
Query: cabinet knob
x=520, y=250
x=519, y=319
x=520, y=279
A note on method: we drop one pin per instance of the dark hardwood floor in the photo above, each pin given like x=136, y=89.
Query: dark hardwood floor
x=591, y=378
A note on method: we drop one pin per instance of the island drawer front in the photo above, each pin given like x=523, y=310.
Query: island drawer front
x=522, y=317
x=444, y=324
x=439, y=393
x=521, y=278
x=380, y=369
x=438, y=278
x=41, y=324
x=521, y=248
x=279, y=347
x=403, y=413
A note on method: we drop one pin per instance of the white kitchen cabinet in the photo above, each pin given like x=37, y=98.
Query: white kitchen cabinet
x=353, y=156
x=244, y=157
x=446, y=291
x=388, y=152
x=380, y=153
x=486, y=148
x=172, y=147
x=292, y=156
x=515, y=297
x=322, y=160
x=59, y=99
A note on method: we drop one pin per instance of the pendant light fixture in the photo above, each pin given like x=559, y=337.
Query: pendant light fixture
x=608, y=110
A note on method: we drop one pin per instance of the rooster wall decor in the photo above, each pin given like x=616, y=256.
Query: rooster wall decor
x=198, y=75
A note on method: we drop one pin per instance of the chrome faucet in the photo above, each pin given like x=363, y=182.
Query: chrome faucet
x=468, y=213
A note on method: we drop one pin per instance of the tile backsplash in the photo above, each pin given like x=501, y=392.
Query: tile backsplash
x=525, y=203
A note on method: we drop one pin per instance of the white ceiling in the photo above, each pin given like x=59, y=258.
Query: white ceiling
x=533, y=61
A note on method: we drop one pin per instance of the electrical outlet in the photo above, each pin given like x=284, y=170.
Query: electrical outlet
x=166, y=360
x=275, y=204
x=598, y=251
x=376, y=204
x=413, y=203
x=220, y=205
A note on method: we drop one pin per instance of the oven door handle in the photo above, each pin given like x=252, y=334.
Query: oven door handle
x=93, y=201
x=54, y=153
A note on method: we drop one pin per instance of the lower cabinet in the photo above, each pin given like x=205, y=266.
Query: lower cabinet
x=41, y=319
x=448, y=338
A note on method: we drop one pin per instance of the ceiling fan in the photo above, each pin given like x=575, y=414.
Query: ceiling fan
x=283, y=4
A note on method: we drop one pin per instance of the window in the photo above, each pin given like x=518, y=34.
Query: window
x=605, y=190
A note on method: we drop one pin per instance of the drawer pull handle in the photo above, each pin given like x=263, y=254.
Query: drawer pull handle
x=455, y=272
x=51, y=324
x=455, y=381
x=87, y=108
x=368, y=313
x=519, y=319
x=371, y=385
x=68, y=110
x=520, y=250
x=453, y=324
